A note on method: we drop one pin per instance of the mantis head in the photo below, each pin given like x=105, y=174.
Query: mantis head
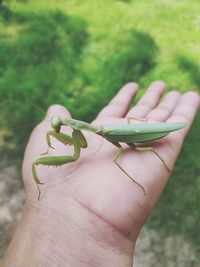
x=56, y=123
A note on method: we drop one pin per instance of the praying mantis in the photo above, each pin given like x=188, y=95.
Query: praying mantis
x=131, y=134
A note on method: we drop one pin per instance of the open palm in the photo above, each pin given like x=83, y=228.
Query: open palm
x=94, y=182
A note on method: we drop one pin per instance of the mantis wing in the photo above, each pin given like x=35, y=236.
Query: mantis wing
x=137, y=133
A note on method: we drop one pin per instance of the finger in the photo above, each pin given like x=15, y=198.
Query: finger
x=184, y=112
x=52, y=110
x=57, y=110
x=37, y=143
x=165, y=108
x=119, y=105
x=148, y=101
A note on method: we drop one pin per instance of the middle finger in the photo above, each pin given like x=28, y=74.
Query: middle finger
x=148, y=101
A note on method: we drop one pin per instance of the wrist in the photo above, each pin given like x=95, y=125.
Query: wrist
x=70, y=235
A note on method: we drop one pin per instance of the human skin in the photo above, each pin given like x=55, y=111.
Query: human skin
x=90, y=213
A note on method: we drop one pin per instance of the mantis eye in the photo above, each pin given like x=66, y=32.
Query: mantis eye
x=55, y=123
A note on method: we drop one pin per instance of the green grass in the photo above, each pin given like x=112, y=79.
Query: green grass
x=79, y=53
x=178, y=211
x=174, y=26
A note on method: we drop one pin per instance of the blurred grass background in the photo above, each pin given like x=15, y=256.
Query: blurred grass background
x=79, y=53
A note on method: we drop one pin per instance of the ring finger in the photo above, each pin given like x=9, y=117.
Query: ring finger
x=165, y=107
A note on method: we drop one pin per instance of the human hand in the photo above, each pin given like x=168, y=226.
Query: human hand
x=94, y=180
x=93, y=195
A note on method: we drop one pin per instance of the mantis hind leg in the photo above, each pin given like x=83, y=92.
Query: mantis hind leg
x=115, y=159
x=152, y=149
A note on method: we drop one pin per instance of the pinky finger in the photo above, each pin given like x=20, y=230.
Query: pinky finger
x=185, y=112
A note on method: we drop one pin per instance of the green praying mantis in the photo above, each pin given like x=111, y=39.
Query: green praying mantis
x=131, y=134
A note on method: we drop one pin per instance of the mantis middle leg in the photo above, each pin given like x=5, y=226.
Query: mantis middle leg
x=116, y=157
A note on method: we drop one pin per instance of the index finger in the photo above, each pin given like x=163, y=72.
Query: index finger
x=119, y=105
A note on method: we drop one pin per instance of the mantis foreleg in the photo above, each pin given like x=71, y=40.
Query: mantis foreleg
x=116, y=157
x=77, y=139
x=63, y=138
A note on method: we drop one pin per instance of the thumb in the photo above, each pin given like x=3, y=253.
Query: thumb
x=57, y=110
